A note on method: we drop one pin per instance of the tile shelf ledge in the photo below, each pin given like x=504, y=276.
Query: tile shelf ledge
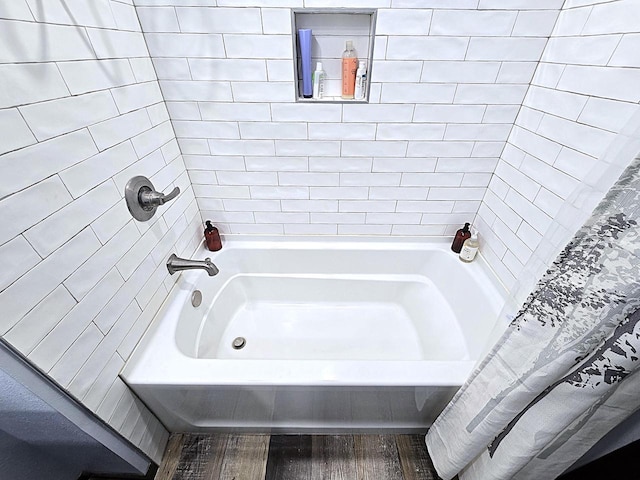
x=330, y=100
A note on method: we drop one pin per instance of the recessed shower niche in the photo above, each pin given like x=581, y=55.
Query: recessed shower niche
x=331, y=29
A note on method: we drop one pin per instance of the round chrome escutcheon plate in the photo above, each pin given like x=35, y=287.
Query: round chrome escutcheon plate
x=196, y=298
x=238, y=343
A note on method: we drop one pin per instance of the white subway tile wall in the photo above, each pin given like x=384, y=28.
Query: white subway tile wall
x=447, y=82
x=475, y=115
x=81, y=112
x=583, y=94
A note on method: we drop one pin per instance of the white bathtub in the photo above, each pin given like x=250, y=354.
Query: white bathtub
x=341, y=335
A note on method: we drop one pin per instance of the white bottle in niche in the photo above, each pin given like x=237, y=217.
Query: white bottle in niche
x=318, y=81
x=361, y=81
x=470, y=247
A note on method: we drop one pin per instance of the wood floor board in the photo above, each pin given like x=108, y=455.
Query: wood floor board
x=289, y=457
x=245, y=457
x=171, y=457
x=333, y=457
x=296, y=457
x=377, y=457
x=194, y=458
x=414, y=458
x=217, y=453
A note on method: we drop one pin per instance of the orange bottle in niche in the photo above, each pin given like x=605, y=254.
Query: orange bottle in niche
x=212, y=237
x=349, y=69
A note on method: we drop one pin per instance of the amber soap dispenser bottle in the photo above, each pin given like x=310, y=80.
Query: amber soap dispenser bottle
x=461, y=236
x=212, y=237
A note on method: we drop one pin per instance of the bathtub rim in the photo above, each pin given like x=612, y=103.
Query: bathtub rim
x=304, y=373
x=333, y=242
x=188, y=371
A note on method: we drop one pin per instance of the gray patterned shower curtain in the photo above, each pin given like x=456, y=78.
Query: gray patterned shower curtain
x=566, y=370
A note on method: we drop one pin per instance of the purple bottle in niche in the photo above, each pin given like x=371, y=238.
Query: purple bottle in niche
x=304, y=39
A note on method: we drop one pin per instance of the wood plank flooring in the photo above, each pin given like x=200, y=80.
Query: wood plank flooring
x=296, y=457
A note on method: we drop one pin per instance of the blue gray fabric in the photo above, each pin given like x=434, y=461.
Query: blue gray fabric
x=564, y=372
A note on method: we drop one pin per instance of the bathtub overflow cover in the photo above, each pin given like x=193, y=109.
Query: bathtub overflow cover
x=196, y=298
x=238, y=343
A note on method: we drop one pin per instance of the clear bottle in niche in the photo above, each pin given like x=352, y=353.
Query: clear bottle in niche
x=318, y=81
x=361, y=81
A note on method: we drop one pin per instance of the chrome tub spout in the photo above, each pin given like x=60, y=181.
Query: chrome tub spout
x=177, y=264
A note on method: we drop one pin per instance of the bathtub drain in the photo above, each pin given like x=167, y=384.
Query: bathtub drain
x=238, y=343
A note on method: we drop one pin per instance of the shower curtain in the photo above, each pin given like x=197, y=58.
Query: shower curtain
x=566, y=370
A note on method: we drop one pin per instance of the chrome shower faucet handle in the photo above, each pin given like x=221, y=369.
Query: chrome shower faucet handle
x=149, y=198
x=142, y=198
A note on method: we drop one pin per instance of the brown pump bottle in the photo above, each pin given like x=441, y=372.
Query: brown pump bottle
x=461, y=236
x=212, y=237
